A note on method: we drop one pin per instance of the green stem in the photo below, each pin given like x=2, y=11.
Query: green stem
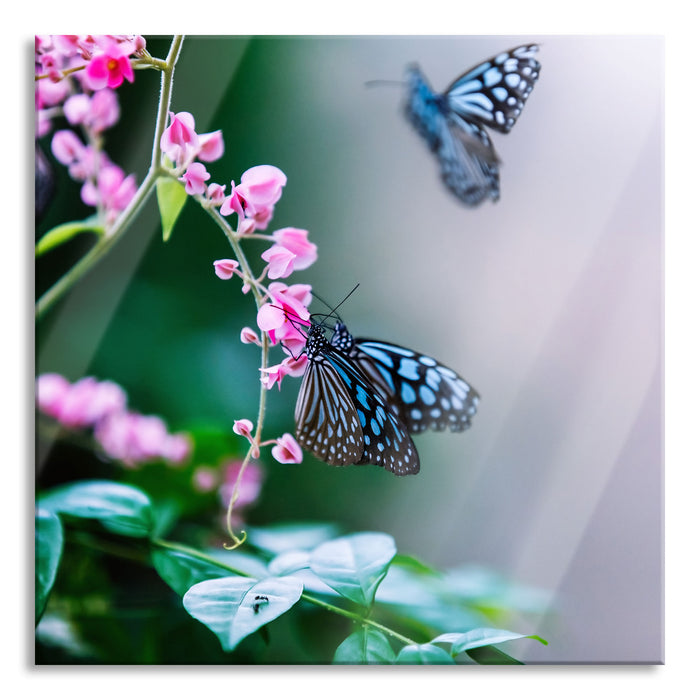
x=174, y=546
x=113, y=234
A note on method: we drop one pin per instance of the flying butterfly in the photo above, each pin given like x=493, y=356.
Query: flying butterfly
x=454, y=122
x=423, y=393
x=341, y=419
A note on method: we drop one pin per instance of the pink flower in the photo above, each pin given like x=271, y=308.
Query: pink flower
x=177, y=448
x=51, y=391
x=205, y=479
x=248, y=488
x=281, y=261
x=243, y=427
x=211, y=146
x=133, y=439
x=194, y=178
x=225, y=268
x=67, y=147
x=248, y=335
x=76, y=108
x=111, y=68
x=215, y=194
x=296, y=240
x=294, y=366
x=104, y=110
x=259, y=190
x=88, y=401
x=287, y=450
x=262, y=184
x=281, y=318
x=113, y=192
x=179, y=141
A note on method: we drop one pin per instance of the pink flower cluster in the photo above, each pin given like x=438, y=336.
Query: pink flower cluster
x=252, y=200
x=105, y=184
x=123, y=435
x=87, y=99
x=59, y=58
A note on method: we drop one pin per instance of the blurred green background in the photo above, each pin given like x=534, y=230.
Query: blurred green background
x=549, y=302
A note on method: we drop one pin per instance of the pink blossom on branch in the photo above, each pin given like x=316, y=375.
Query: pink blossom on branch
x=225, y=268
x=110, y=68
x=288, y=310
x=211, y=146
x=254, y=198
x=293, y=366
x=281, y=261
x=180, y=141
x=296, y=241
x=195, y=178
x=287, y=450
x=248, y=335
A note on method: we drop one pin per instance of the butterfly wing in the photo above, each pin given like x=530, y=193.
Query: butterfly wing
x=468, y=161
x=327, y=424
x=494, y=92
x=426, y=394
x=386, y=439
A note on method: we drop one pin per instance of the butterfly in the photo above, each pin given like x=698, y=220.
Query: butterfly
x=425, y=394
x=360, y=400
x=454, y=122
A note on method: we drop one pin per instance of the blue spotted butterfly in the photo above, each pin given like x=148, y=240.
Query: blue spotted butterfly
x=360, y=400
x=453, y=123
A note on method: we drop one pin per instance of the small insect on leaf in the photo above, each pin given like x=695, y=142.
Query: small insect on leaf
x=260, y=601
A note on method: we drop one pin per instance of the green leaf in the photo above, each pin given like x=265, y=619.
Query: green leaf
x=366, y=646
x=171, y=197
x=181, y=571
x=491, y=656
x=234, y=607
x=64, y=232
x=354, y=565
x=415, y=565
x=481, y=637
x=48, y=539
x=423, y=654
x=289, y=562
x=285, y=536
x=122, y=509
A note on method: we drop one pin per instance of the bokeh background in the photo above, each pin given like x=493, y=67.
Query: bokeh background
x=550, y=302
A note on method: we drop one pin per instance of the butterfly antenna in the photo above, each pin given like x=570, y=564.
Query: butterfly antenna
x=375, y=83
x=334, y=311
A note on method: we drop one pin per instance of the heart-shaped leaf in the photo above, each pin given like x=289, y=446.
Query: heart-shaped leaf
x=365, y=646
x=481, y=637
x=234, y=607
x=354, y=565
x=122, y=509
x=48, y=538
x=289, y=562
x=423, y=654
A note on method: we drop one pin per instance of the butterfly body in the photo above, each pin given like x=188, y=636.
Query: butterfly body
x=454, y=123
